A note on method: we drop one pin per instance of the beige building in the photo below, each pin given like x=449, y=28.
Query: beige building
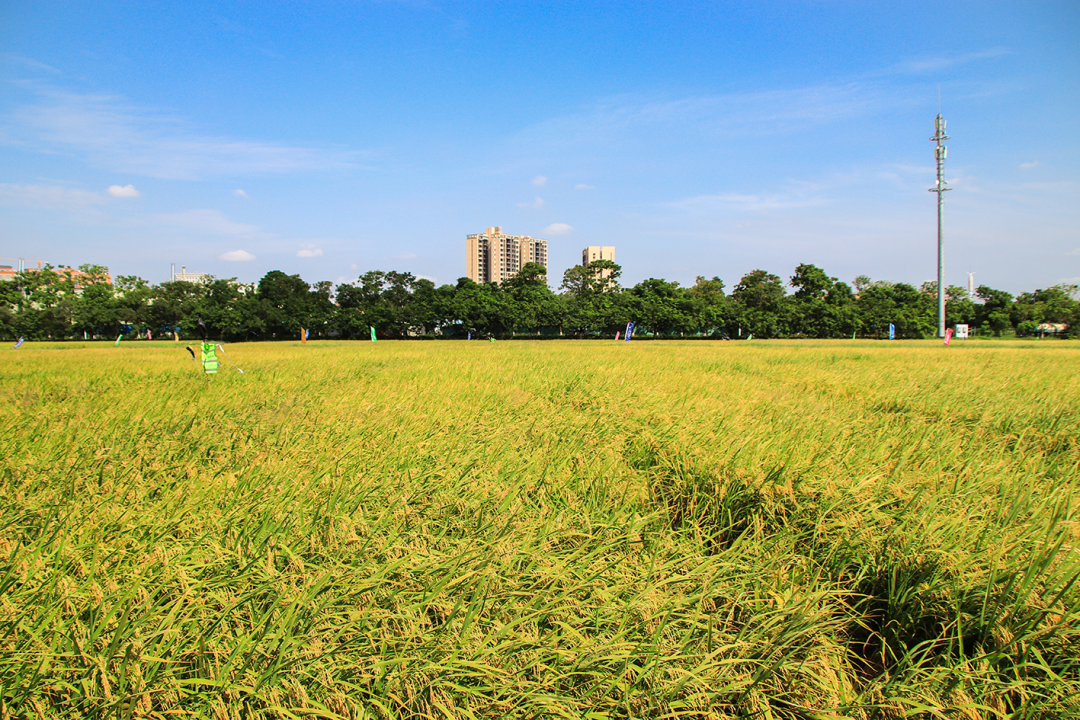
x=596, y=252
x=493, y=256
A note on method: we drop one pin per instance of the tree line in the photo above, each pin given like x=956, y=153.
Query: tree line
x=56, y=303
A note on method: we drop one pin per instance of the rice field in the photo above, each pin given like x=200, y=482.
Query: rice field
x=578, y=529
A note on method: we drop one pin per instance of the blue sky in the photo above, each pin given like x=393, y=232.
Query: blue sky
x=331, y=138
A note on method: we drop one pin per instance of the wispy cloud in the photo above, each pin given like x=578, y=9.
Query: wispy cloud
x=535, y=204
x=539, y=181
x=933, y=64
x=558, y=229
x=239, y=193
x=308, y=250
x=127, y=191
x=210, y=222
x=28, y=63
x=1033, y=163
x=583, y=186
x=404, y=256
x=749, y=203
x=108, y=132
x=237, y=256
x=614, y=122
x=49, y=197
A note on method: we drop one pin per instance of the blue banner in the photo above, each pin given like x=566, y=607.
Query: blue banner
x=629, y=331
x=892, y=331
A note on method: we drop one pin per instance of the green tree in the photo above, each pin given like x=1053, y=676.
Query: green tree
x=532, y=303
x=993, y=314
x=288, y=303
x=757, y=304
x=709, y=305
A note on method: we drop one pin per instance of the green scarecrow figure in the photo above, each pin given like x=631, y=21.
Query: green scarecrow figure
x=209, y=354
x=209, y=358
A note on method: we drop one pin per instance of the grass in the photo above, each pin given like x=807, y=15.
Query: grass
x=576, y=529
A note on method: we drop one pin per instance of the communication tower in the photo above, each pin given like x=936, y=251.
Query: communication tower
x=940, y=150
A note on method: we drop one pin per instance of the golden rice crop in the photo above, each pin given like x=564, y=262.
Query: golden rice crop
x=541, y=529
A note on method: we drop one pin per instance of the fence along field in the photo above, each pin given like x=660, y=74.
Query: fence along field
x=572, y=529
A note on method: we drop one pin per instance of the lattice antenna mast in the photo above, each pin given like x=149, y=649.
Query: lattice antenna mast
x=939, y=138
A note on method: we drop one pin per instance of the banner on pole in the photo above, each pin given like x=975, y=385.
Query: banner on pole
x=629, y=331
x=617, y=333
x=892, y=331
x=372, y=333
x=948, y=336
x=20, y=342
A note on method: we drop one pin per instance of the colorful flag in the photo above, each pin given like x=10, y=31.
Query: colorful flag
x=892, y=331
x=629, y=331
x=372, y=333
x=118, y=339
x=948, y=336
x=617, y=334
x=21, y=341
x=470, y=336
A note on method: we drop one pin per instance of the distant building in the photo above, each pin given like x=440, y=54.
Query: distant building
x=78, y=277
x=185, y=276
x=596, y=252
x=8, y=272
x=493, y=256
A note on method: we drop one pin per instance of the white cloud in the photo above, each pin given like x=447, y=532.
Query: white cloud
x=583, y=186
x=354, y=266
x=539, y=181
x=127, y=191
x=557, y=229
x=404, y=256
x=239, y=193
x=212, y=222
x=1074, y=252
x=1034, y=163
x=108, y=132
x=237, y=256
x=309, y=250
x=535, y=204
x=49, y=197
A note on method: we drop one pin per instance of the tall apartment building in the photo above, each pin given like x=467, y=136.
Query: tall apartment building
x=493, y=256
x=596, y=252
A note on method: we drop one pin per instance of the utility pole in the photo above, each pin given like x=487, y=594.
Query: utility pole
x=940, y=189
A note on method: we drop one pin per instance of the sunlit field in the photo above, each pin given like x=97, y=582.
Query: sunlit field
x=591, y=529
